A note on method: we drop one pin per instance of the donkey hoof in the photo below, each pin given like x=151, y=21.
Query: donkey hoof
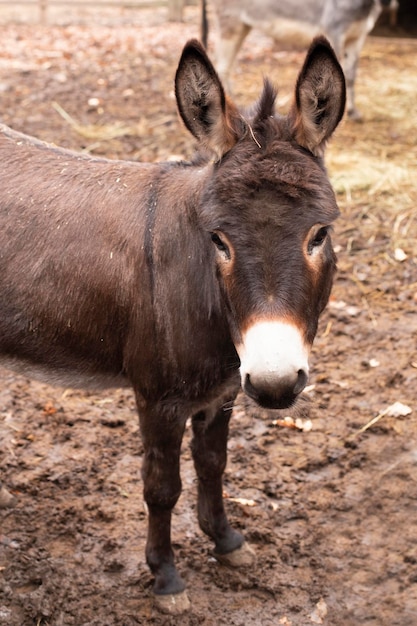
x=172, y=603
x=241, y=557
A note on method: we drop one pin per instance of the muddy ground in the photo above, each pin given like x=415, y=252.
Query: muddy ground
x=331, y=511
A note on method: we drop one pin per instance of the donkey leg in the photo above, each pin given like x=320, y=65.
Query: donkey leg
x=162, y=487
x=228, y=45
x=209, y=449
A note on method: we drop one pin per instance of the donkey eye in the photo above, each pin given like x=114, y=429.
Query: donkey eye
x=318, y=239
x=220, y=245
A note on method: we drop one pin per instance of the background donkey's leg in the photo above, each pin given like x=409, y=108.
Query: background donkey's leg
x=227, y=48
x=162, y=486
x=209, y=449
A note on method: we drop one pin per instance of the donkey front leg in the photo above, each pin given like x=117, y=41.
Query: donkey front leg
x=162, y=487
x=209, y=449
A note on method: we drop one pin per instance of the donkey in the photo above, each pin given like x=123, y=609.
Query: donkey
x=346, y=23
x=182, y=280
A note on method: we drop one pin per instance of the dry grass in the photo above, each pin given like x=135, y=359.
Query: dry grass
x=373, y=167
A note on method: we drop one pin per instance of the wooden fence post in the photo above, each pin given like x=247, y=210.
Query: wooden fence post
x=43, y=7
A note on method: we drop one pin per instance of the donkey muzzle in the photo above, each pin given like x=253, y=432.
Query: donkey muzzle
x=274, y=363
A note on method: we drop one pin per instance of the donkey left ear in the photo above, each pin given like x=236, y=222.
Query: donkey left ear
x=320, y=97
x=211, y=117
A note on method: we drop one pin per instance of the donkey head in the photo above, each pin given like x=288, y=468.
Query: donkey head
x=267, y=208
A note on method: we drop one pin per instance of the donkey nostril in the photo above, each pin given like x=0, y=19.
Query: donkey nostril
x=249, y=388
x=275, y=389
x=302, y=380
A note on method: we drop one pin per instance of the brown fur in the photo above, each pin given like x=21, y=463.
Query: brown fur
x=111, y=273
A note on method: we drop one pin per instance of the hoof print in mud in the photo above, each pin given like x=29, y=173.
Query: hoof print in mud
x=7, y=500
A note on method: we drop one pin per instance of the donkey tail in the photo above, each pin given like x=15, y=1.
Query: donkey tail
x=204, y=23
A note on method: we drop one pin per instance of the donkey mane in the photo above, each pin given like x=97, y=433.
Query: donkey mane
x=265, y=106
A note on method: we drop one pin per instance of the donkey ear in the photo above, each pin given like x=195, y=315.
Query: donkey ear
x=211, y=117
x=320, y=96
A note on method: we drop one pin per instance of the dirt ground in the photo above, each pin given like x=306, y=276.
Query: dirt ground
x=329, y=502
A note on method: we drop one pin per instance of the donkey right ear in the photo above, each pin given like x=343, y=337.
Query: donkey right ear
x=211, y=117
x=320, y=96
